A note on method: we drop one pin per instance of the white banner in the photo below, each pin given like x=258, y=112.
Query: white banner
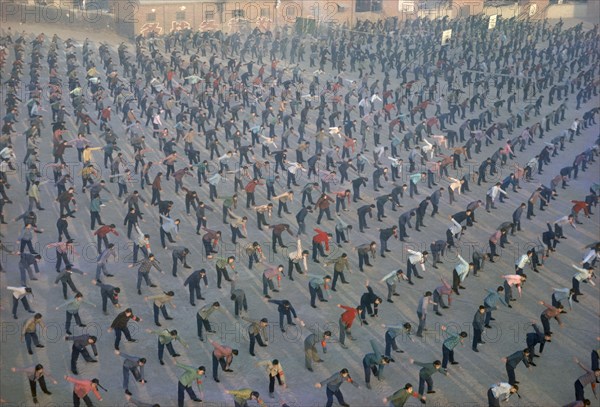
x=492, y=23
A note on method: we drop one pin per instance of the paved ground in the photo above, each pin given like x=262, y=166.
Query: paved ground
x=551, y=383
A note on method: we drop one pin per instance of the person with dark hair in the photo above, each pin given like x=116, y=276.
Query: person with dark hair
x=448, y=346
x=107, y=292
x=202, y=318
x=333, y=385
x=400, y=397
x=478, y=327
x=222, y=355
x=500, y=392
x=424, y=302
x=193, y=284
x=374, y=362
x=413, y=259
x=238, y=296
x=391, y=280
x=29, y=332
x=145, y=265
x=36, y=374
x=339, y=265
x=285, y=309
x=21, y=293
x=369, y=302
x=160, y=304
x=427, y=370
x=513, y=361
x=80, y=344
x=26, y=261
x=550, y=313
x=221, y=265
x=345, y=322
x=256, y=331
x=242, y=396
x=310, y=346
x=165, y=338
x=119, y=325
x=179, y=254
x=135, y=366
x=490, y=302
x=534, y=338
x=73, y=306
x=82, y=388
x=191, y=375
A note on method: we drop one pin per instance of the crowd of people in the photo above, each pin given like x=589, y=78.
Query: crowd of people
x=171, y=130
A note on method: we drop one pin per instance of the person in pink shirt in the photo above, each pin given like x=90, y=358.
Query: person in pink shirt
x=82, y=388
x=494, y=239
x=222, y=355
x=438, y=299
x=510, y=280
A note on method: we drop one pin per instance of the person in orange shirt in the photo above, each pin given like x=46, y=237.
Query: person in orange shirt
x=577, y=207
x=346, y=321
x=82, y=388
x=321, y=238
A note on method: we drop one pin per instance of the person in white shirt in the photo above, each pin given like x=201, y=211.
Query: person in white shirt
x=524, y=260
x=501, y=392
x=583, y=275
x=454, y=231
x=297, y=257
x=492, y=194
x=21, y=293
x=560, y=223
x=412, y=261
x=560, y=294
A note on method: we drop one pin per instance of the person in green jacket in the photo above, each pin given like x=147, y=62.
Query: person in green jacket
x=190, y=375
x=400, y=397
x=242, y=396
x=427, y=370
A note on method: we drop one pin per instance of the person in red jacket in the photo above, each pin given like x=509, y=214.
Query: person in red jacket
x=577, y=207
x=102, y=232
x=346, y=321
x=82, y=388
x=250, y=187
x=321, y=238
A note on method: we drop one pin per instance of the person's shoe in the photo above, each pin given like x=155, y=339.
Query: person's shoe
x=139, y=292
x=482, y=342
x=40, y=346
x=197, y=400
x=217, y=380
x=169, y=318
x=176, y=355
x=333, y=289
x=153, y=286
x=162, y=363
x=411, y=283
x=109, y=275
x=310, y=369
x=75, y=372
x=532, y=364
x=438, y=314
x=343, y=346
x=488, y=326
x=431, y=392
x=492, y=319
x=128, y=392
x=369, y=386
x=82, y=325
x=365, y=322
x=30, y=352
x=35, y=400
x=454, y=363
x=268, y=296
x=390, y=301
x=229, y=370
x=252, y=354
x=475, y=350
x=69, y=332
x=48, y=392
x=157, y=324
x=445, y=307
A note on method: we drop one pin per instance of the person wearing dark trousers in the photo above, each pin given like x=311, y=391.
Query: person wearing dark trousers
x=80, y=344
x=391, y=333
x=501, y=392
x=26, y=261
x=590, y=377
x=107, y=292
x=179, y=254
x=275, y=371
x=221, y=265
x=400, y=397
x=191, y=375
x=478, y=327
x=374, y=363
x=29, y=332
x=333, y=385
x=448, y=347
x=427, y=370
x=145, y=266
x=285, y=310
x=133, y=365
x=193, y=284
x=339, y=265
x=490, y=302
x=160, y=304
x=512, y=361
x=73, y=311
x=36, y=374
x=20, y=294
x=534, y=338
x=369, y=303
x=363, y=254
x=549, y=313
x=391, y=281
x=317, y=286
x=81, y=390
x=64, y=277
x=166, y=338
x=422, y=307
x=202, y=316
x=222, y=355
x=119, y=325
x=256, y=331
x=238, y=296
